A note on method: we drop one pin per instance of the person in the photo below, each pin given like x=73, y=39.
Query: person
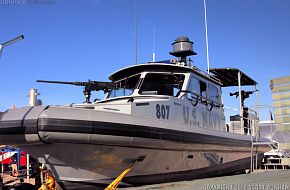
x=14, y=166
x=36, y=173
x=50, y=180
x=49, y=183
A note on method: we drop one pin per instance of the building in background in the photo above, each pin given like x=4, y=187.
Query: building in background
x=281, y=103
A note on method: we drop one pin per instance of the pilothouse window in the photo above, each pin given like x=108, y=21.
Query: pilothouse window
x=194, y=86
x=206, y=91
x=213, y=93
x=162, y=84
x=202, y=89
x=198, y=87
x=127, y=87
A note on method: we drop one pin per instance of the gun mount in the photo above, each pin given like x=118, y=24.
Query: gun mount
x=88, y=86
x=244, y=95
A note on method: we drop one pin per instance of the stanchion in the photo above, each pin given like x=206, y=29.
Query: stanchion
x=2, y=169
x=27, y=168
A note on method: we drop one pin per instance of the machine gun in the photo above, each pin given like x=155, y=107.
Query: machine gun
x=244, y=95
x=88, y=86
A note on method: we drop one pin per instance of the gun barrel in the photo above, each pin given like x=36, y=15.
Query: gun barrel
x=56, y=82
x=91, y=85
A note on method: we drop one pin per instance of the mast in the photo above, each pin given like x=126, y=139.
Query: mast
x=206, y=36
x=153, y=55
x=136, y=34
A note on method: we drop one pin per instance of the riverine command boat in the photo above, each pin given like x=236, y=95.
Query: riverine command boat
x=166, y=118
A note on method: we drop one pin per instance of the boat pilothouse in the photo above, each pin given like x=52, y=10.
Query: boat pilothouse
x=168, y=113
x=172, y=91
x=166, y=92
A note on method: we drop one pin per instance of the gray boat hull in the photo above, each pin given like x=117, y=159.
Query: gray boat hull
x=91, y=148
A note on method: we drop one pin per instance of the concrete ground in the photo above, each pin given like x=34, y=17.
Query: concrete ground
x=263, y=180
x=10, y=180
x=266, y=180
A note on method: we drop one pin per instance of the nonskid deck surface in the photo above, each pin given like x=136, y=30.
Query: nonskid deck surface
x=258, y=180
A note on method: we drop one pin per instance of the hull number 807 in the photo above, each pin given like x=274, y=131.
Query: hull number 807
x=162, y=111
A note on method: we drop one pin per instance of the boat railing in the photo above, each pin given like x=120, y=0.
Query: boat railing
x=195, y=98
x=250, y=127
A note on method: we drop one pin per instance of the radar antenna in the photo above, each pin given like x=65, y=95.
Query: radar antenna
x=182, y=47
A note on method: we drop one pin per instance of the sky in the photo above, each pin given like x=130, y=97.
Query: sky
x=78, y=40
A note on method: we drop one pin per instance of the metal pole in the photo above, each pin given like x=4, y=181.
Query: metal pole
x=1, y=49
x=241, y=107
x=12, y=41
x=257, y=121
x=153, y=56
x=271, y=119
x=256, y=161
x=206, y=36
x=10, y=161
x=18, y=160
x=252, y=146
x=136, y=35
x=27, y=168
x=2, y=164
x=257, y=112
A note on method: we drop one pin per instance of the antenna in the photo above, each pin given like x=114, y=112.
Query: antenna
x=153, y=55
x=206, y=36
x=136, y=35
x=182, y=47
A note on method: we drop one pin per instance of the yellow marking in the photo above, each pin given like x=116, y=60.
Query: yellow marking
x=118, y=180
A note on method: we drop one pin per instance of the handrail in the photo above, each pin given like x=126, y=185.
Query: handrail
x=199, y=98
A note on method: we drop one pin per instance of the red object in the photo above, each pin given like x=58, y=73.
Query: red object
x=7, y=157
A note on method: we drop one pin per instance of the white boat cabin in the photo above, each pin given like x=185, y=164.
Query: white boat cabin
x=167, y=92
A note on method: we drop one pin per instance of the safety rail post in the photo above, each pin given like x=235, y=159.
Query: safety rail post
x=257, y=112
x=256, y=126
x=254, y=137
x=252, y=155
x=27, y=168
x=18, y=153
x=241, y=107
x=2, y=163
x=255, y=131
